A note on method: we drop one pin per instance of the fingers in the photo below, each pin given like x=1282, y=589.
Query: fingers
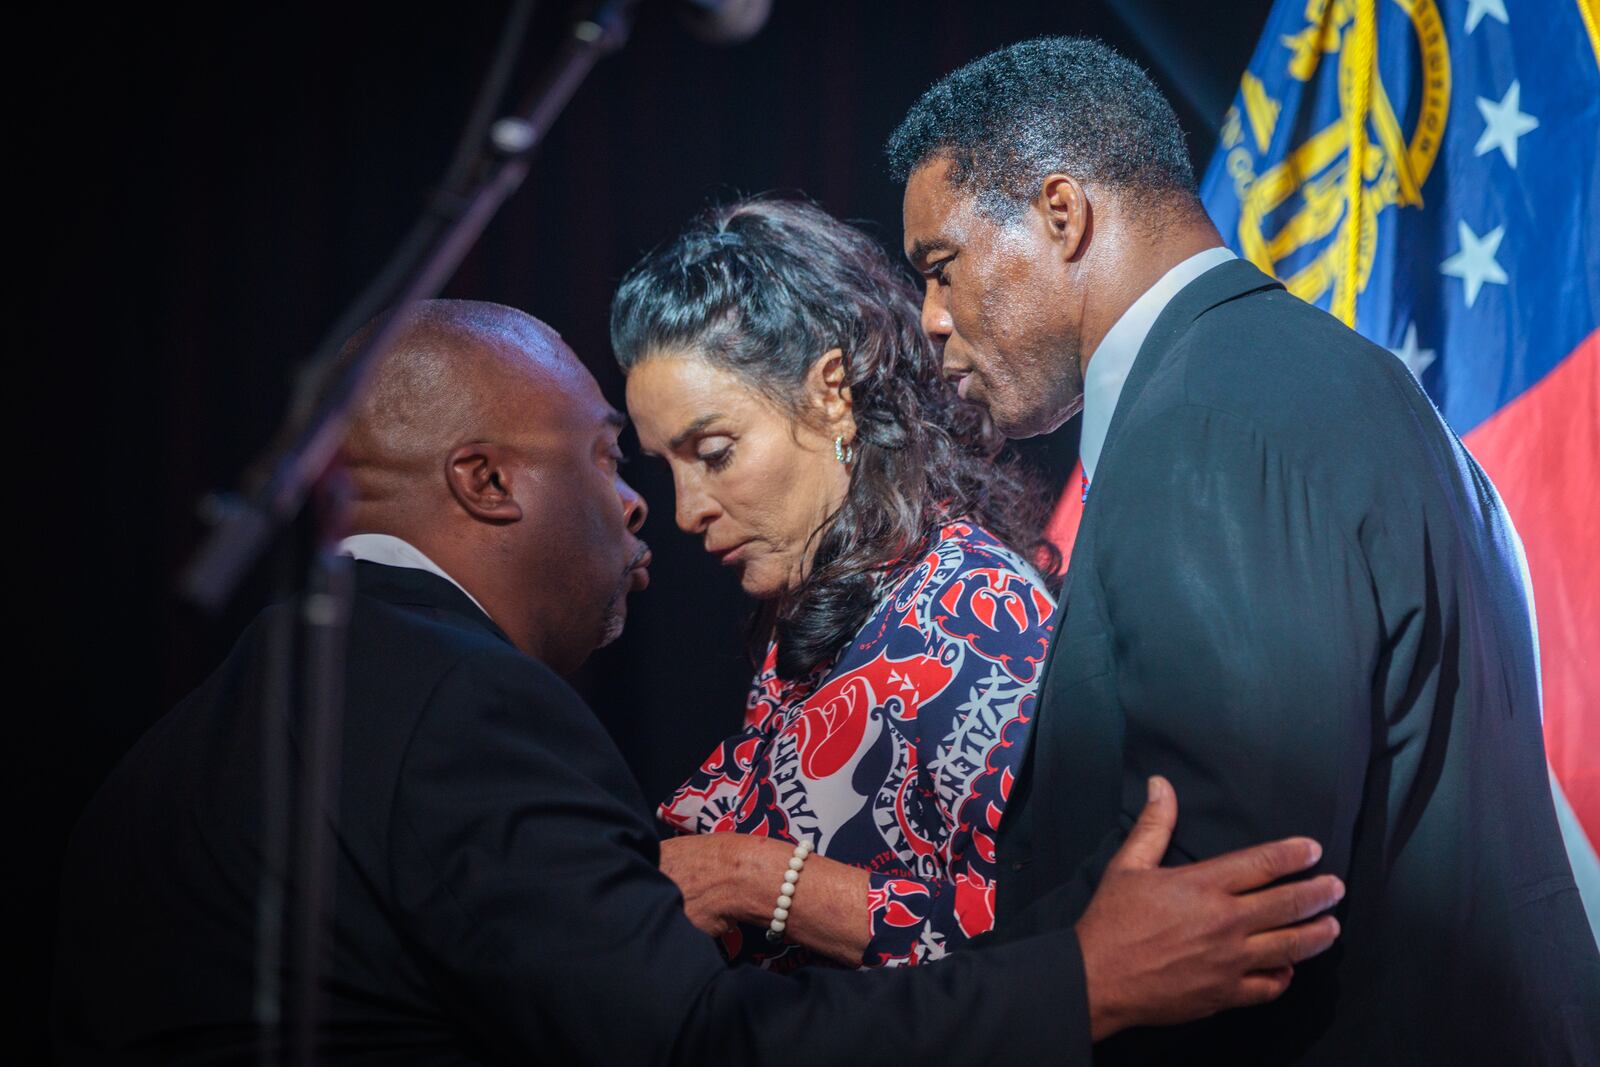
x=1267, y=909
x=1290, y=945
x=1251, y=868
x=1152, y=831
x=1258, y=987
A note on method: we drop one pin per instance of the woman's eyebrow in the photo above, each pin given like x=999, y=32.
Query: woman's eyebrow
x=693, y=428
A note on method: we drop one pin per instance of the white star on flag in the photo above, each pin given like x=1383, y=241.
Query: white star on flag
x=1476, y=9
x=1416, y=358
x=1475, y=263
x=1506, y=122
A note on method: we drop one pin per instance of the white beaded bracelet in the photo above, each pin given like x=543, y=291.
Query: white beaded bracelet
x=780, y=914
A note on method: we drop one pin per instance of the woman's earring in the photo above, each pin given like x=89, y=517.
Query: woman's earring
x=842, y=452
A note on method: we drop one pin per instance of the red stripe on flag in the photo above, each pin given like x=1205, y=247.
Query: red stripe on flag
x=1543, y=452
x=1062, y=529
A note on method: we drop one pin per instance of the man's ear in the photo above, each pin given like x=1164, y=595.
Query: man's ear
x=1065, y=208
x=482, y=479
x=828, y=390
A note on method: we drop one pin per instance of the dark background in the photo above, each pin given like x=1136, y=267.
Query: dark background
x=206, y=191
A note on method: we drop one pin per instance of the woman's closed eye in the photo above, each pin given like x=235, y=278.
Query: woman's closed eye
x=715, y=452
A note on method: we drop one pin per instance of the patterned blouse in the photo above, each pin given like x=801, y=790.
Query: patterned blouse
x=897, y=756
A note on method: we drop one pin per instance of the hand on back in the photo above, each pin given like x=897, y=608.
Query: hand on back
x=1164, y=945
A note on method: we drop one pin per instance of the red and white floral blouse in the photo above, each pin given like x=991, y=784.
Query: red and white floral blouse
x=899, y=755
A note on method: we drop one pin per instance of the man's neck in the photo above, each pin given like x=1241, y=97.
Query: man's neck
x=482, y=566
x=1138, y=264
x=476, y=564
x=408, y=547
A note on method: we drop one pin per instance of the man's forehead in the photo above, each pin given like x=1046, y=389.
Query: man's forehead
x=574, y=401
x=932, y=211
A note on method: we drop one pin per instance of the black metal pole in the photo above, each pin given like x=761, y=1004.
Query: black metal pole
x=324, y=615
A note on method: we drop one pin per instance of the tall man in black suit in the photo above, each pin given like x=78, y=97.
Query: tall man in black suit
x=1292, y=591
x=496, y=894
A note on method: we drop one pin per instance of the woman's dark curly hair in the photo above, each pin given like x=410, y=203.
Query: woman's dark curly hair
x=764, y=288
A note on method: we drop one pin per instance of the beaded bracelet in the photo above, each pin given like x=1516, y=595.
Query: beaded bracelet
x=780, y=914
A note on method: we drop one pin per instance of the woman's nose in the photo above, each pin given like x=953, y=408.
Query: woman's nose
x=694, y=508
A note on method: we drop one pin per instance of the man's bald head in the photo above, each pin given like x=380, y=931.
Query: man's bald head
x=485, y=443
x=460, y=371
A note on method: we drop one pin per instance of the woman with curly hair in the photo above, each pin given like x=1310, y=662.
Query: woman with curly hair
x=775, y=360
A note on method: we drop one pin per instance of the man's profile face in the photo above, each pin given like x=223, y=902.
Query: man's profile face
x=586, y=517
x=994, y=300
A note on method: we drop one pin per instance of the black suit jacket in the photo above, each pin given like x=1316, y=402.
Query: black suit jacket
x=496, y=893
x=1295, y=595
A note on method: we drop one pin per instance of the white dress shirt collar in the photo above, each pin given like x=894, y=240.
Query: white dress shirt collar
x=1113, y=358
x=393, y=551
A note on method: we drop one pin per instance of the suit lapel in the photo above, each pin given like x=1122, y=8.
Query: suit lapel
x=1073, y=752
x=1217, y=286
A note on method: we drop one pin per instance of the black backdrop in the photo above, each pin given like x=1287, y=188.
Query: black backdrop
x=206, y=190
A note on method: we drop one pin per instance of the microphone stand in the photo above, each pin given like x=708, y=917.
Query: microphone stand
x=308, y=643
